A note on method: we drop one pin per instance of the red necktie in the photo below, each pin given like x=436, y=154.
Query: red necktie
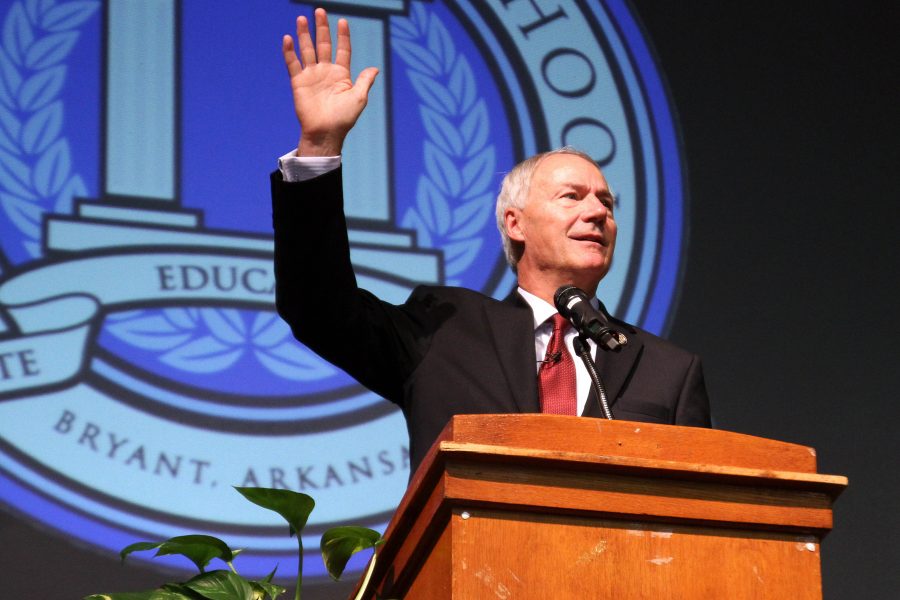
x=556, y=377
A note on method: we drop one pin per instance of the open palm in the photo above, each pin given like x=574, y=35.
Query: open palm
x=326, y=100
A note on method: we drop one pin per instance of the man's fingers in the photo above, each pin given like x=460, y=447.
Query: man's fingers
x=365, y=79
x=342, y=56
x=323, y=36
x=304, y=40
x=290, y=57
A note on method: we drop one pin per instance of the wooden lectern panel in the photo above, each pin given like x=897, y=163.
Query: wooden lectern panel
x=574, y=557
x=542, y=506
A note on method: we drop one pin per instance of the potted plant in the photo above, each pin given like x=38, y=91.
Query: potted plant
x=338, y=545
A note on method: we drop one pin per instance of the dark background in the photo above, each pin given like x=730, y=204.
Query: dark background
x=789, y=117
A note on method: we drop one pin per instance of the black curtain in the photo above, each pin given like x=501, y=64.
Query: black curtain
x=789, y=116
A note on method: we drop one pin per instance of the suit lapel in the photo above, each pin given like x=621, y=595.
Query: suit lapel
x=614, y=368
x=512, y=329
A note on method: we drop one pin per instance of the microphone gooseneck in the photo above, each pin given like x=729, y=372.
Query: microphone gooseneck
x=582, y=350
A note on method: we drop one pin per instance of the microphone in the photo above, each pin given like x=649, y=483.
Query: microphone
x=552, y=359
x=574, y=304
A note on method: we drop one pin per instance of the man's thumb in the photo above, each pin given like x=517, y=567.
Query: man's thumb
x=366, y=79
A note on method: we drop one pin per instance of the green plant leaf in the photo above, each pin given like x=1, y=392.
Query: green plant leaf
x=293, y=506
x=159, y=594
x=180, y=588
x=199, y=549
x=138, y=547
x=340, y=543
x=268, y=590
x=223, y=585
x=265, y=584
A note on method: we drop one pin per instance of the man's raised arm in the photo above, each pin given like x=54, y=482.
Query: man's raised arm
x=326, y=100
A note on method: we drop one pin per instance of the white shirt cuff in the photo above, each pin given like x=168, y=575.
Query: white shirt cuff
x=300, y=168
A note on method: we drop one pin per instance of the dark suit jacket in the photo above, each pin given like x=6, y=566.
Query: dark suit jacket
x=446, y=351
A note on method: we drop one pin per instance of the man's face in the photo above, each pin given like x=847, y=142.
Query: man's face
x=566, y=225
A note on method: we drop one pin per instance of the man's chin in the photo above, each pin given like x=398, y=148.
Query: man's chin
x=595, y=263
x=588, y=275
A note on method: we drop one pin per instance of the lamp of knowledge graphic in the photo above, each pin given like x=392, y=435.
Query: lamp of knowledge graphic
x=143, y=370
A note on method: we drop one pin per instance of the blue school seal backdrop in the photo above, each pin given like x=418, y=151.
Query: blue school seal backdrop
x=143, y=370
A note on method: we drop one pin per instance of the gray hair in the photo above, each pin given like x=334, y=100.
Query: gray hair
x=514, y=191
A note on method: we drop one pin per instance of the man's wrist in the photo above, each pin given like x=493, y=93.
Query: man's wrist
x=320, y=145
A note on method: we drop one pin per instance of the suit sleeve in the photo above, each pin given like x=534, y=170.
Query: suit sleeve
x=316, y=292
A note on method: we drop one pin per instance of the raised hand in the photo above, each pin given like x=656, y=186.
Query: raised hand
x=326, y=100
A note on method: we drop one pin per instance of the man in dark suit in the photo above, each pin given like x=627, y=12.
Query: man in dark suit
x=449, y=351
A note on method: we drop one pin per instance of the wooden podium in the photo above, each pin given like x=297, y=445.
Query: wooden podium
x=546, y=507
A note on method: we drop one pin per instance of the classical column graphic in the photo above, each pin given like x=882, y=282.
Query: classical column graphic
x=141, y=204
x=366, y=154
x=141, y=101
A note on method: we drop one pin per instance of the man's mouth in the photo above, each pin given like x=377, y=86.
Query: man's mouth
x=588, y=237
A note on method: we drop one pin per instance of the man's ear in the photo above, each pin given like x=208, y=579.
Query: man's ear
x=512, y=217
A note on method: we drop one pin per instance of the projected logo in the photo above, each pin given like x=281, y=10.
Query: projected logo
x=143, y=370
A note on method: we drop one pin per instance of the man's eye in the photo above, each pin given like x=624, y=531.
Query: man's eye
x=571, y=196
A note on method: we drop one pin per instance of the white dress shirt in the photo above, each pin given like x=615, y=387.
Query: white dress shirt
x=300, y=168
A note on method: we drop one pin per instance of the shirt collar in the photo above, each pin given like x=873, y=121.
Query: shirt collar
x=542, y=310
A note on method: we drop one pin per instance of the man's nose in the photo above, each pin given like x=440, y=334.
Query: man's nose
x=594, y=209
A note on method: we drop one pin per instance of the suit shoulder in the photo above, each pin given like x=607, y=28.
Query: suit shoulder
x=437, y=294
x=444, y=303
x=651, y=340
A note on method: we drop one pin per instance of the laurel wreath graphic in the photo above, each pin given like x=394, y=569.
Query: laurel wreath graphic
x=211, y=340
x=35, y=162
x=454, y=198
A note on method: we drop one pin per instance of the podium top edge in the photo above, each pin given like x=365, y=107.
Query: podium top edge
x=630, y=439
